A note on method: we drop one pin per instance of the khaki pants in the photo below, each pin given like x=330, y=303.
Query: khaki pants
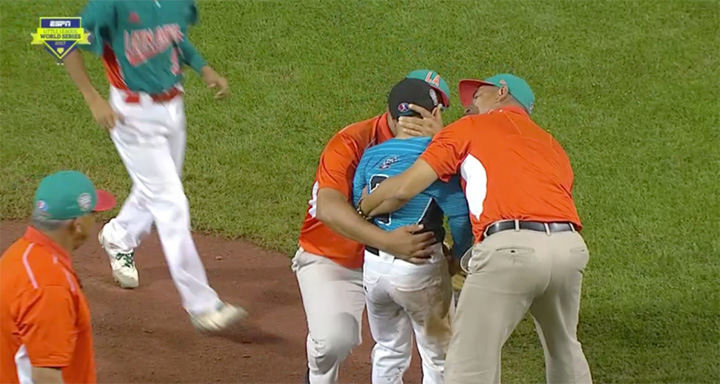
x=509, y=274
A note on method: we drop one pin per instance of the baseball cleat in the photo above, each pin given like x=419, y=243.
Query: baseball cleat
x=219, y=319
x=122, y=262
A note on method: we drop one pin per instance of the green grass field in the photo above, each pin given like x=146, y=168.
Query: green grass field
x=630, y=88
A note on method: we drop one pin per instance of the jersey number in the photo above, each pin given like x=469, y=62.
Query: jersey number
x=375, y=180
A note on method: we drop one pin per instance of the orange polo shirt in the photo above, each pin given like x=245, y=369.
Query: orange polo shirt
x=337, y=170
x=44, y=316
x=510, y=167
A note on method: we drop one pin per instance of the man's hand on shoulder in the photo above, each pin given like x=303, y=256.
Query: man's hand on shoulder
x=213, y=80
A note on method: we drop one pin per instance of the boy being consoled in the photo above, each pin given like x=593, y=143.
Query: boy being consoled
x=403, y=297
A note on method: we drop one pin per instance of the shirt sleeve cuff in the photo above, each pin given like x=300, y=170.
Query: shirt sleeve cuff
x=197, y=63
x=96, y=45
x=50, y=363
x=344, y=190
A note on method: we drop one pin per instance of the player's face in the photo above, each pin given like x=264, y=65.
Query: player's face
x=484, y=100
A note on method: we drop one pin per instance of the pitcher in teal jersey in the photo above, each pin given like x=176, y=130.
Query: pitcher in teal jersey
x=404, y=298
x=144, y=45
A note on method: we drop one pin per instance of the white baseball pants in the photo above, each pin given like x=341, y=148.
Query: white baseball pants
x=402, y=299
x=334, y=302
x=151, y=144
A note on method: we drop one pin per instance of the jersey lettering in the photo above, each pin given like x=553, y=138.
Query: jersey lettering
x=375, y=181
x=143, y=44
x=432, y=80
x=432, y=219
x=174, y=61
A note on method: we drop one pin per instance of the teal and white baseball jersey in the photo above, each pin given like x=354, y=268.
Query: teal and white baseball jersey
x=143, y=43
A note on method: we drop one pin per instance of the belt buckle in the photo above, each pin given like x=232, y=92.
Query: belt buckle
x=516, y=222
x=485, y=232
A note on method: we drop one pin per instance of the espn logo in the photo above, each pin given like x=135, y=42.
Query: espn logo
x=60, y=23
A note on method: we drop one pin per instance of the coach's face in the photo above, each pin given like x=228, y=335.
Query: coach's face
x=485, y=99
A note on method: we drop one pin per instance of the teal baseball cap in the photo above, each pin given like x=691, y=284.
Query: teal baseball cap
x=435, y=81
x=66, y=195
x=518, y=88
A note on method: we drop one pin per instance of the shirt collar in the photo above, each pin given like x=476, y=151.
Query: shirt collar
x=513, y=109
x=32, y=235
x=382, y=129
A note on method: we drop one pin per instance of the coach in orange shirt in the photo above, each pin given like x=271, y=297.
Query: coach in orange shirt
x=45, y=334
x=328, y=263
x=529, y=255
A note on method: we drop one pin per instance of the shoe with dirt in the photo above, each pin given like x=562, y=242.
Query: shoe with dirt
x=218, y=320
x=122, y=263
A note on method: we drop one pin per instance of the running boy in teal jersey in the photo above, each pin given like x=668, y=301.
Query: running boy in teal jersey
x=143, y=45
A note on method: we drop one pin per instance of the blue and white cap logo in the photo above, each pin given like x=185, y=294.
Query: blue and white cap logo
x=40, y=212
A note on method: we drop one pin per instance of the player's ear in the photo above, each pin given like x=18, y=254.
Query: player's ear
x=503, y=93
x=437, y=111
x=74, y=226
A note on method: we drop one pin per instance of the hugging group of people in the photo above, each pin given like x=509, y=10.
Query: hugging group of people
x=374, y=237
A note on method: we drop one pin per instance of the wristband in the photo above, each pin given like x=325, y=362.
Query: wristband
x=362, y=214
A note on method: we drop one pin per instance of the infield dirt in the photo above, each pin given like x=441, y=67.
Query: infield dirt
x=144, y=336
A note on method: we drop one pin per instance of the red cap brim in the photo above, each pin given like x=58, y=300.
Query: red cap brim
x=105, y=201
x=467, y=88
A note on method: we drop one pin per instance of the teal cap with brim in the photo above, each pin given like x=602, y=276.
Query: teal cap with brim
x=517, y=87
x=435, y=81
x=67, y=195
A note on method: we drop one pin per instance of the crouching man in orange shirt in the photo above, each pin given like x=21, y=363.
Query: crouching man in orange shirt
x=45, y=331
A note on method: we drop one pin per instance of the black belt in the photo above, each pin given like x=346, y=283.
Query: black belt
x=527, y=225
x=372, y=250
